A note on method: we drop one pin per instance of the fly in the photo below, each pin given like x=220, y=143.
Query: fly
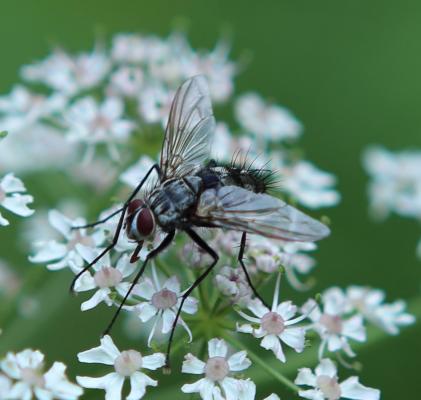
x=192, y=192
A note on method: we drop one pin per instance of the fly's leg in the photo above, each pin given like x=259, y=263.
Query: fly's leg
x=167, y=240
x=204, y=246
x=240, y=260
x=119, y=226
x=99, y=222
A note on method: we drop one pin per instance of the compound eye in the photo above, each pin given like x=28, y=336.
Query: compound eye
x=134, y=205
x=145, y=223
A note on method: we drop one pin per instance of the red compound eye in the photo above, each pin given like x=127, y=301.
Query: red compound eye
x=134, y=205
x=145, y=223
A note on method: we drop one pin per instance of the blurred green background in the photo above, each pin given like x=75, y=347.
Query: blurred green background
x=348, y=69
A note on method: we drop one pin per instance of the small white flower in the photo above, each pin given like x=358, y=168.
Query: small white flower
x=395, y=182
x=232, y=283
x=370, y=303
x=217, y=68
x=106, y=279
x=275, y=325
x=309, y=185
x=92, y=123
x=162, y=304
x=268, y=121
x=22, y=108
x=58, y=255
x=155, y=103
x=217, y=384
x=129, y=48
x=333, y=324
x=12, y=198
x=127, y=364
x=26, y=369
x=69, y=74
x=326, y=386
x=126, y=81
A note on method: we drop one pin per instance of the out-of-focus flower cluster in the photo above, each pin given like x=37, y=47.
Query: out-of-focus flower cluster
x=395, y=185
x=23, y=376
x=107, y=108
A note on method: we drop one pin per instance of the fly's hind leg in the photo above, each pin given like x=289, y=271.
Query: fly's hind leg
x=240, y=260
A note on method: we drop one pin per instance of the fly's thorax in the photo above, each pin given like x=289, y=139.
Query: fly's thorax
x=140, y=221
x=172, y=201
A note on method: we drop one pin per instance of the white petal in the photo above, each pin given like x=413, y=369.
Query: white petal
x=230, y=387
x=190, y=305
x=294, y=337
x=305, y=377
x=145, y=289
x=172, y=284
x=85, y=282
x=3, y=221
x=286, y=310
x=245, y=328
x=273, y=396
x=56, y=380
x=145, y=311
x=106, y=353
x=217, y=348
x=10, y=183
x=125, y=267
x=48, y=252
x=138, y=382
x=192, y=365
x=98, y=297
x=352, y=389
x=272, y=342
x=193, y=387
x=17, y=203
x=239, y=361
x=326, y=367
x=257, y=308
x=21, y=391
x=354, y=328
x=311, y=394
x=60, y=222
x=154, y=361
x=112, y=384
x=168, y=317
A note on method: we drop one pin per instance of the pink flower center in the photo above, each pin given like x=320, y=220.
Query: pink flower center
x=2, y=195
x=164, y=299
x=79, y=238
x=216, y=368
x=273, y=323
x=33, y=377
x=108, y=277
x=333, y=323
x=128, y=362
x=101, y=122
x=329, y=387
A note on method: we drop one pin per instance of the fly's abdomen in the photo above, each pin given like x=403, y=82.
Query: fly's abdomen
x=255, y=180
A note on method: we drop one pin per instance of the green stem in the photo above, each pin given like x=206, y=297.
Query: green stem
x=262, y=363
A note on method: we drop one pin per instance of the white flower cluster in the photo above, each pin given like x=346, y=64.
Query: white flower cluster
x=23, y=377
x=116, y=98
x=395, y=185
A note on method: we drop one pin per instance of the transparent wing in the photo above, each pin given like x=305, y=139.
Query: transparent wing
x=189, y=130
x=236, y=208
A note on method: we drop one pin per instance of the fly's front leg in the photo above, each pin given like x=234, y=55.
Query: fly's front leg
x=164, y=244
x=204, y=246
x=240, y=260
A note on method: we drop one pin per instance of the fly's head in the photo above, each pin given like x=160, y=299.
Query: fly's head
x=140, y=221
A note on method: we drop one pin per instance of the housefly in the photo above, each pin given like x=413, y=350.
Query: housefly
x=193, y=192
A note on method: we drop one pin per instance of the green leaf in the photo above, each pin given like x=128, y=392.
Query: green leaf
x=3, y=134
